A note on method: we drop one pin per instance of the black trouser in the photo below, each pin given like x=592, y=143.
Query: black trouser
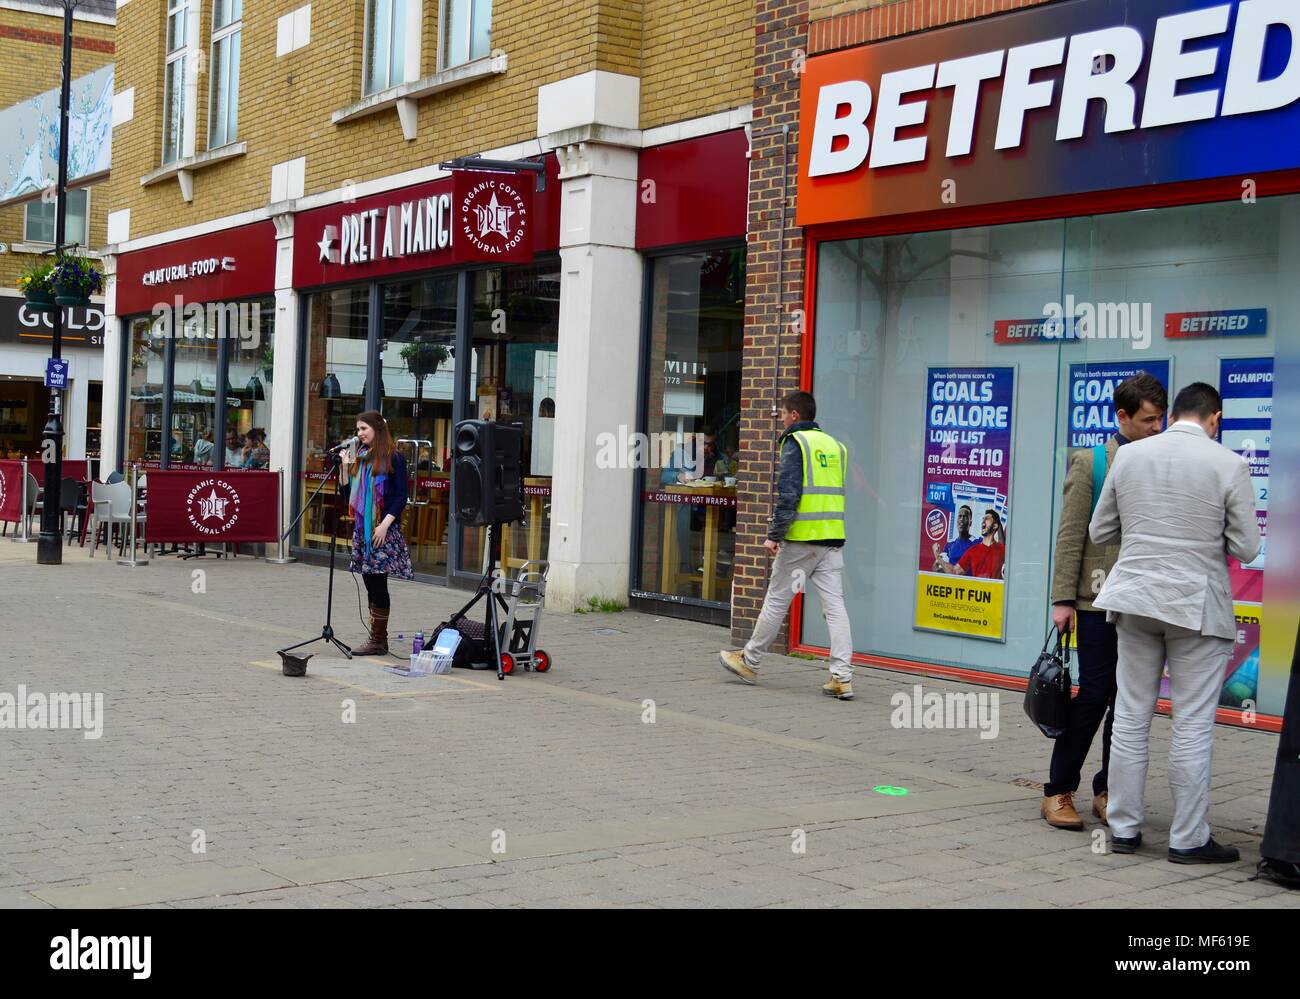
x=377, y=589
x=1098, y=655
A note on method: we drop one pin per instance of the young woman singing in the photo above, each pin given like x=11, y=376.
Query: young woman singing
x=378, y=499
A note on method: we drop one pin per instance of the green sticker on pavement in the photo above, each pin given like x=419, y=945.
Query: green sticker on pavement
x=889, y=789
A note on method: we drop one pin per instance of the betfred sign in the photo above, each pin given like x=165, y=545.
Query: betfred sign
x=470, y=217
x=1070, y=98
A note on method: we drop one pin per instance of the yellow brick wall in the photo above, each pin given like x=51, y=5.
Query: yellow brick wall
x=693, y=60
x=31, y=66
x=697, y=59
x=818, y=9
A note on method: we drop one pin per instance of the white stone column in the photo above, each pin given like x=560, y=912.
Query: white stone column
x=75, y=401
x=596, y=386
x=114, y=375
x=284, y=422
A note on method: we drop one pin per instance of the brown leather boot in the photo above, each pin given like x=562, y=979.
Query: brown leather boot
x=1059, y=812
x=1100, y=802
x=377, y=643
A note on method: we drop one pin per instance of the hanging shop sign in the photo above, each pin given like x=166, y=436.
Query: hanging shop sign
x=965, y=501
x=1033, y=104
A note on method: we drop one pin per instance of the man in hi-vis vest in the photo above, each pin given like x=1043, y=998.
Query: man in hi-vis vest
x=806, y=533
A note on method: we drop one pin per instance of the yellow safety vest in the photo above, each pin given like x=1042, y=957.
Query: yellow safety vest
x=820, y=516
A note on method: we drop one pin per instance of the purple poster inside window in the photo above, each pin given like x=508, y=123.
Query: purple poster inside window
x=965, y=501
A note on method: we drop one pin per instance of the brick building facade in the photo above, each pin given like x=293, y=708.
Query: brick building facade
x=31, y=57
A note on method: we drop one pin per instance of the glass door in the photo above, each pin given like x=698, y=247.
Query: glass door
x=515, y=339
x=417, y=364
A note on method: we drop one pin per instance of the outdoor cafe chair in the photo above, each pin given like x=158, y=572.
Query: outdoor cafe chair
x=112, y=507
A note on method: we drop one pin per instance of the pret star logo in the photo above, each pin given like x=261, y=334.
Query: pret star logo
x=493, y=217
x=212, y=507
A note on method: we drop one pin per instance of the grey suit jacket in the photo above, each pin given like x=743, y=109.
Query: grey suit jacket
x=1178, y=503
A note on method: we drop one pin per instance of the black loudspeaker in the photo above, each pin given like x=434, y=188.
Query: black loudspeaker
x=485, y=472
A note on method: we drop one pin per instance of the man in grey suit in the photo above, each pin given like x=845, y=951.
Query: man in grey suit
x=1177, y=502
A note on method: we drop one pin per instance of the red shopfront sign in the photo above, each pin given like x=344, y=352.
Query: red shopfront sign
x=470, y=217
x=693, y=191
x=216, y=267
x=1067, y=99
x=211, y=506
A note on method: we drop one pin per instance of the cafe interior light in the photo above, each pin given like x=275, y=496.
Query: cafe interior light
x=329, y=388
x=254, y=389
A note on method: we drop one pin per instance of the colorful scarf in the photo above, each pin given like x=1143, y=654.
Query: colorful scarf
x=367, y=497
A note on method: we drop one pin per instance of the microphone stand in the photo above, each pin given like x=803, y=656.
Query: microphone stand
x=327, y=632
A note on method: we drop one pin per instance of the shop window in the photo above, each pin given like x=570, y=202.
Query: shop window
x=148, y=357
x=176, y=115
x=39, y=225
x=921, y=340
x=385, y=55
x=223, y=115
x=249, y=431
x=468, y=31
x=515, y=341
x=692, y=425
x=337, y=341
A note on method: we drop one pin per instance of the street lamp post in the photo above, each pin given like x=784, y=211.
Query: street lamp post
x=49, y=547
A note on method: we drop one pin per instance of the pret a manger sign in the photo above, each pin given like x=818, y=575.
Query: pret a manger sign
x=473, y=216
x=1065, y=99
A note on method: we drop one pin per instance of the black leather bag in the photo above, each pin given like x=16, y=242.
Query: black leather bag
x=1047, y=699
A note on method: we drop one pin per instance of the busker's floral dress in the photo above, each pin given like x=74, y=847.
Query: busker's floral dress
x=373, y=498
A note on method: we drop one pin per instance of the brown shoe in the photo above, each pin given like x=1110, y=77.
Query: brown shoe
x=1059, y=812
x=377, y=643
x=1099, y=803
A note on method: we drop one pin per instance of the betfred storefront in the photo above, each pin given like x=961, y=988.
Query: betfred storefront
x=1002, y=220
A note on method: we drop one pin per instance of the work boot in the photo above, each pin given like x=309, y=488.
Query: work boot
x=1058, y=810
x=377, y=643
x=1099, y=803
x=734, y=662
x=842, y=689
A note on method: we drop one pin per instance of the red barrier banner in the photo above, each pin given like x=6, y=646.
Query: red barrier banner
x=11, y=490
x=211, y=506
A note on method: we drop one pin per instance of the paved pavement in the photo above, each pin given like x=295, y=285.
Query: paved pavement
x=636, y=773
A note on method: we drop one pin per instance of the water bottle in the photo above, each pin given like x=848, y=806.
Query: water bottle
x=417, y=646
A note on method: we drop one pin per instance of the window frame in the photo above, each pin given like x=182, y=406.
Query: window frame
x=84, y=244
x=220, y=34
x=444, y=25
x=180, y=54
x=367, y=55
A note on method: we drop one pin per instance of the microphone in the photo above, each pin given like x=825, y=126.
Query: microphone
x=344, y=445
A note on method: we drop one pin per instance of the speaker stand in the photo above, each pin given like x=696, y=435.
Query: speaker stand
x=486, y=589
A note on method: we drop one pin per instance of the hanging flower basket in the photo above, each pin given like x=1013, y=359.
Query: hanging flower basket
x=35, y=285
x=74, y=280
